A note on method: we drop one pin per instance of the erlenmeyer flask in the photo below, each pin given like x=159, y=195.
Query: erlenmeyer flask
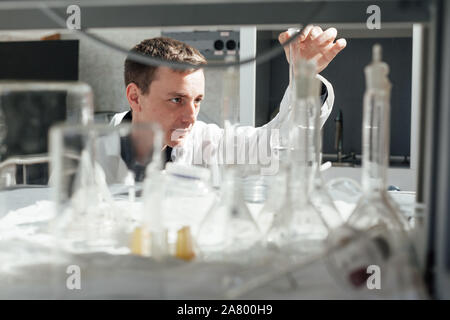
x=345, y=193
x=87, y=219
x=298, y=225
x=228, y=227
x=90, y=170
x=274, y=202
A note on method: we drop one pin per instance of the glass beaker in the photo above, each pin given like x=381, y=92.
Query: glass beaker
x=27, y=110
x=24, y=139
x=175, y=203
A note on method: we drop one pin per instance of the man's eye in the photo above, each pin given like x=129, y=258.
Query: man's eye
x=198, y=101
x=176, y=100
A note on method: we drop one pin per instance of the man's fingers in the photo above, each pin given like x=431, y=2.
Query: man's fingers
x=341, y=44
x=305, y=32
x=315, y=32
x=331, y=51
x=283, y=37
x=326, y=37
x=315, y=44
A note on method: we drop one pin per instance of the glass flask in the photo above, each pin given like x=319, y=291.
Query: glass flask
x=375, y=215
x=319, y=195
x=280, y=152
x=24, y=139
x=345, y=193
x=228, y=228
x=27, y=110
x=376, y=122
x=96, y=171
x=274, y=202
x=297, y=225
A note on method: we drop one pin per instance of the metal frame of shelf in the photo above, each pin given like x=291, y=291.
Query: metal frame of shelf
x=98, y=15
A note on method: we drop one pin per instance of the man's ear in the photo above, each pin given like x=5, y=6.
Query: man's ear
x=133, y=93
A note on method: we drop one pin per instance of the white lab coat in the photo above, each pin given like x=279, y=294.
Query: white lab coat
x=204, y=144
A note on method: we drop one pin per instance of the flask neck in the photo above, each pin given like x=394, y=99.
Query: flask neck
x=376, y=129
x=232, y=190
x=304, y=139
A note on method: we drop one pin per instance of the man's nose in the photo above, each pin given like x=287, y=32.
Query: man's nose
x=189, y=112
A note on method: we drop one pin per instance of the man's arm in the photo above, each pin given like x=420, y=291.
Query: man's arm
x=326, y=97
x=313, y=43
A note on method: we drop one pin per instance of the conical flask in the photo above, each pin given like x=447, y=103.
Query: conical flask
x=297, y=226
x=229, y=227
x=275, y=200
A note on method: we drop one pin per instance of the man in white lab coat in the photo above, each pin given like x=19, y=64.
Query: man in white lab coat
x=172, y=98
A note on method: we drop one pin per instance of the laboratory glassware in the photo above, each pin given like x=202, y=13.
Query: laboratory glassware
x=229, y=228
x=95, y=172
x=375, y=214
x=298, y=226
x=175, y=202
x=345, y=193
x=319, y=195
x=280, y=152
x=27, y=110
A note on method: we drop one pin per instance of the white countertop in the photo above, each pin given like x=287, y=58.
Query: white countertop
x=32, y=268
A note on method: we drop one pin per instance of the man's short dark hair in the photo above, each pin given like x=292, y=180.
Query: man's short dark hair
x=163, y=48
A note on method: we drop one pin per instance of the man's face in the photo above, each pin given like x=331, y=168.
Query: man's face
x=173, y=101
